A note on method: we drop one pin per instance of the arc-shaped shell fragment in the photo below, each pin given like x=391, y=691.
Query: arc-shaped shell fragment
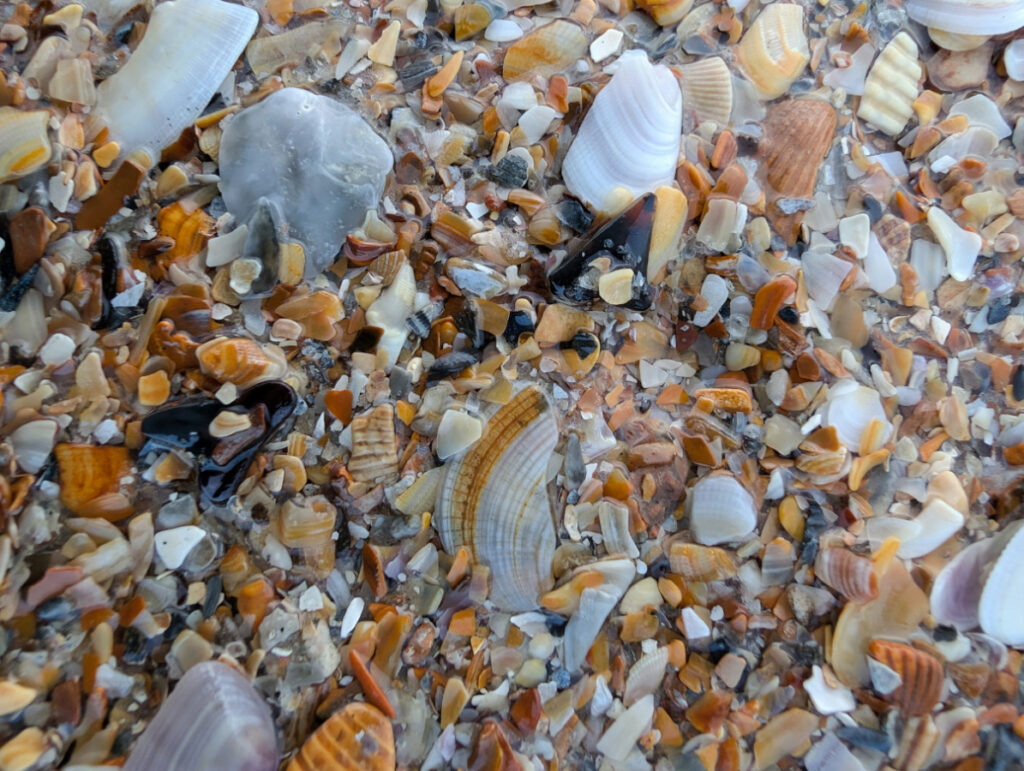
x=241, y=361
x=358, y=737
x=921, y=674
x=630, y=137
x=707, y=90
x=968, y=17
x=852, y=575
x=956, y=591
x=774, y=51
x=24, y=145
x=892, y=86
x=494, y=500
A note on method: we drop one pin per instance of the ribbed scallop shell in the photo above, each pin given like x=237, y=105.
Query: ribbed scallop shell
x=24, y=145
x=774, y=51
x=167, y=82
x=968, y=17
x=213, y=719
x=707, y=90
x=852, y=575
x=700, y=563
x=892, y=85
x=630, y=137
x=721, y=510
x=921, y=674
x=545, y=51
x=999, y=610
x=358, y=737
x=494, y=500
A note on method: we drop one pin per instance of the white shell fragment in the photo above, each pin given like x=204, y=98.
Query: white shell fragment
x=969, y=17
x=892, y=86
x=956, y=591
x=165, y=85
x=961, y=246
x=999, y=608
x=1013, y=60
x=827, y=699
x=630, y=137
x=620, y=738
x=851, y=408
x=982, y=111
x=456, y=432
x=596, y=602
x=172, y=546
x=937, y=522
x=721, y=510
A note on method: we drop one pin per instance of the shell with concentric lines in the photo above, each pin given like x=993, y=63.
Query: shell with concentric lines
x=494, y=502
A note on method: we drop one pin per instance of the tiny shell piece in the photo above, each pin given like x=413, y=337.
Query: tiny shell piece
x=241, y=361
x=774, y=51
x=24, y=144
x=892, y=86
x=88, y=472
x=848, y=573
x=357, y=737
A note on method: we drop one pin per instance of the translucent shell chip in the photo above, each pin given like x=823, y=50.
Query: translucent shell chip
x=24, y=146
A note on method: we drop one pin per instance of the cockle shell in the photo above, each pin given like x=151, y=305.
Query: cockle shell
x=494, y=500
x=721, y=510
x=774, y=51
x=164, y=86
x=24, y=145
x=999, y=607
x=630, y=137
x=892, y=85
x=921, y=674
x=358, y=737
x=848, y=573
x=707, y=90
x=969, y=17
x=213, y=719
x=241, y=361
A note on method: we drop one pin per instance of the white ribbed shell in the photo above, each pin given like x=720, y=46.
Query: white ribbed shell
x=630, y=137
x=721, y=510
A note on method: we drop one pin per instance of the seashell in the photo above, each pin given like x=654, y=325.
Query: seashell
x=24, y=144
x=494, y=501
x=848, y=573
x=961, y=246
x=545, y=51
x=707, y=90
x=241, y=361
x=358, y=737
x=89, y=473
x=308, y=524
x=374, y=445
x=920, y=672
x=645, y=676
x=774, y=51
x=164, y=86
x=851, y=409
x=917, y=744
x=982, y=111
x=33, y=442
x=390, y=312
x=937, y=522
x=892, y=85
x=619, y=740
x=956, y=591
x=14, y=697
x=320, y=187
x=1013, y=60
x=1003, y=582
x=666, y=12
x=721, y=510
x=700, y=563
x=968, y=17
x=954, y=41
x=596, y=602
x=26, y=750
x=630, y=136
x=213, y=718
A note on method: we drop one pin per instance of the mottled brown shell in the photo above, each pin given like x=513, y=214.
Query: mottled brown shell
x=357, y=737
x=852, y=575
x=921, y=673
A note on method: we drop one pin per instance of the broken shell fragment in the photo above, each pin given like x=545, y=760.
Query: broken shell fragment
x=721, y=510
x=24, y=145
x=494, y=500
x=998, y=608
x=241, y=361
x=358, y=737
x=630, y=136
x=213, y=718
x=961, y=246
x=707, y=90
x=956, y=591
x=774, y=50
x=596, y=602
x=892, y=86
x=852, y=409
x=545, y=51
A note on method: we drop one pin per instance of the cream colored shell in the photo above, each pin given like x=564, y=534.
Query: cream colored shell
x=892, y=86
x=774, y=51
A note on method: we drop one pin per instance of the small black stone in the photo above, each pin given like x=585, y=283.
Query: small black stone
x=555, y=623
x=11, y=298
x=519, y=322
x=999, y=309
x=874, y=209
x=583, y=343
x=450, y=364
x=574, y=215
x=212, y=599
x=1018, y=383
x=788, y=314
x=944, y=633
x=510, y=171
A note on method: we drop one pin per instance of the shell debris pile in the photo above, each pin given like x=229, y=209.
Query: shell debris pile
x=512, y=385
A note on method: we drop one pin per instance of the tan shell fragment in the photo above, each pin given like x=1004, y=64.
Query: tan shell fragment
x=666, y=12
x=774, y=51
x=24, y=145
x=700, y=563
x=374, y=445
x=494, y=501
x=892, y=85
x=707, y=90
x=546, y=51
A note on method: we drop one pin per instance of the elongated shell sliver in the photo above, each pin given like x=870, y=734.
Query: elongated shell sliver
x=189, y=48
x=494, y=501
x=213, y=719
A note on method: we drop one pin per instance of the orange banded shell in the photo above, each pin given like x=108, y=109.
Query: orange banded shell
x=921, y=673
x=241, y=361
x=357, y=737
x=852, y=575
x=700, y=563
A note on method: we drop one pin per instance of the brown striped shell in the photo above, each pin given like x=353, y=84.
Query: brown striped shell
x=374, y=445
x=848, y=573
x=921, y=673
x=357, y=737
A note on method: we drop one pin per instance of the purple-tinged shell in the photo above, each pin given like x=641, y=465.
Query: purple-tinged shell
x=957, y=589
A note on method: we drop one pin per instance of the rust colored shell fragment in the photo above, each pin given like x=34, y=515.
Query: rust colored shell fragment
x=89, y=473
x=921, y=673
x=357, y=737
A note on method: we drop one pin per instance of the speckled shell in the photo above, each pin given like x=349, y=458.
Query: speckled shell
x=545, y=51
x=358, y=737
x=774, y=51
x=921, y=673
x=374, y=445
x=24, y=145
x=494, y=501
x=707, y=90
x=968, y=17
x=892, y=86
x=848, y=573
x=240, y=360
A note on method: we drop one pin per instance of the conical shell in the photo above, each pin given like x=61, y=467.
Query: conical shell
x=892, y=85
x=956, y=592
x=24, y=145
x=630, y=137
x=357, y=737
x=707, y=90
x=848, y=573
x=774, y=51
x=999, y=609
x=213, y=719
x=721, y=510
x=494, y=501
x=700, y=563
x=968, y=17
x=545, y=51
x=165, y=85
x=921, y=674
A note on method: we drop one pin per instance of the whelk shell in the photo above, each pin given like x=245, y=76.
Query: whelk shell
x=774, y=51
x=721, y=510
x=969, y=17
x=164, y=86
x=494, y=500
x=630, y=137
x=921, y=674
x=848, y=573
x=892, y=86
x=707, y=90
x=24, y=145
x=357, y=737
